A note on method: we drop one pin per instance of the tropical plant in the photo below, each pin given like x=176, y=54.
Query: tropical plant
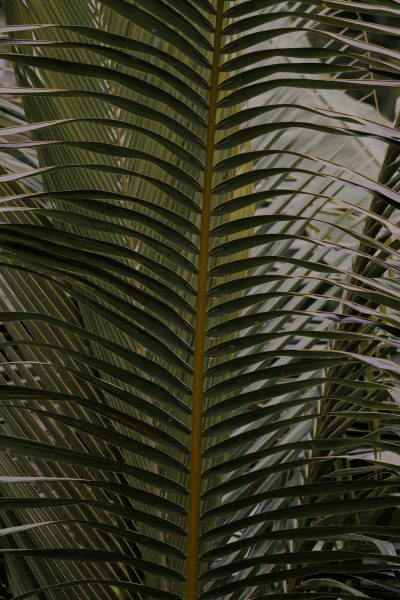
x=199, y=300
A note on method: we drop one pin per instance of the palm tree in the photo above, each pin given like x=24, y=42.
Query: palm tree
x=199, y=300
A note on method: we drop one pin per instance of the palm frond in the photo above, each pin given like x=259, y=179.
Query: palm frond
x=199, y=300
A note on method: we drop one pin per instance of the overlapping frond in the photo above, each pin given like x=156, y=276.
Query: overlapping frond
x=199, y=300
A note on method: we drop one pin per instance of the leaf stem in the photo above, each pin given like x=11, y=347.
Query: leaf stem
x=193, y=543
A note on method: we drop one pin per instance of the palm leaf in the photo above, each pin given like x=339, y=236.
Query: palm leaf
x=199, y=300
